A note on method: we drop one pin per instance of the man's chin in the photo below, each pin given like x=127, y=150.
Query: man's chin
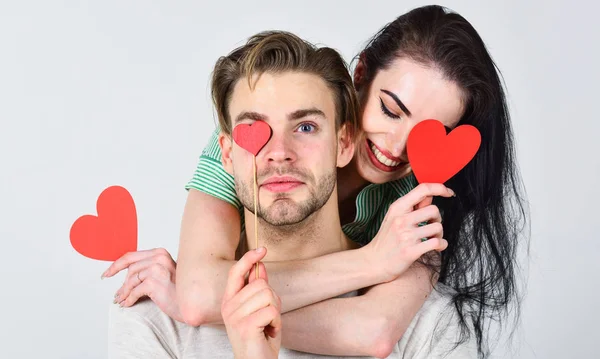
x=283, y=212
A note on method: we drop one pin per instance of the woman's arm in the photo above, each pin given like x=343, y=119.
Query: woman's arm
x=210, y=234
x=367, y=325
x=205, y=260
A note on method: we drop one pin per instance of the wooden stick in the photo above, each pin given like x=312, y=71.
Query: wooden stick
x=256, y=214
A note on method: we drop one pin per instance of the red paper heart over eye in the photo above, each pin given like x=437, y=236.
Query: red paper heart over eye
x=252, y=137
x=113, y=232
x=436, y=157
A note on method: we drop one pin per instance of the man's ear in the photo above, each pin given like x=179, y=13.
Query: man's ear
x=360, y=71
x=226, y=143
x=345, y=145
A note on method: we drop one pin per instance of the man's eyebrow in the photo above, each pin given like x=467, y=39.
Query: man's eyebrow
x=296, y=115
x=249, y=115
x=397, y=100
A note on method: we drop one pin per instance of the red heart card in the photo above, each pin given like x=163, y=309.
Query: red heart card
x=436, y=157
x=252, y=137
x=113, y=232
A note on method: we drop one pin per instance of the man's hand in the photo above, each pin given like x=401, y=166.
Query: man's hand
x=150, y=273
x=252, y=312
x=399, y=240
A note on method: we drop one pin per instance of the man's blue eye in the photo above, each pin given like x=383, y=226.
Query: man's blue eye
x=306, y=127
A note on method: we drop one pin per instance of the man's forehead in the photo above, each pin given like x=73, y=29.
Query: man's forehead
x=281, y=94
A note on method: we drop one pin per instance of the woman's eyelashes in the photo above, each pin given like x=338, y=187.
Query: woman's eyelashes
x=387, y=112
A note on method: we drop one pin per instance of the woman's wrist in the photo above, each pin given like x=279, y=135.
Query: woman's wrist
x=373, y=265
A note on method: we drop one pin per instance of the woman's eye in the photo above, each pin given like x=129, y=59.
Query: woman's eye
x=306, y=127
x=388, y=112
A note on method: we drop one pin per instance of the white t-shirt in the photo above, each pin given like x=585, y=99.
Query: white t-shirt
x=144, y=331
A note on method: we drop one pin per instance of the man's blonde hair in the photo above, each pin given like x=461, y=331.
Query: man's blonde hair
x=277, y=52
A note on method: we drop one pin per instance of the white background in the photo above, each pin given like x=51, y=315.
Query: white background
x=94, y=94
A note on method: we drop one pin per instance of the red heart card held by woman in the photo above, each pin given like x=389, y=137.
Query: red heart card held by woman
x=252, y=137
x=110, y=234
x=436, y=157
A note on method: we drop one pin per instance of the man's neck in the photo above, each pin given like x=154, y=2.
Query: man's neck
x=317, y=235
x=353, y=182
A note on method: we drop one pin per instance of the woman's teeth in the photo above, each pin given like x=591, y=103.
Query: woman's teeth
x=381, y=158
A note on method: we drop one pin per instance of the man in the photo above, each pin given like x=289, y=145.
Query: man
x=278, y=79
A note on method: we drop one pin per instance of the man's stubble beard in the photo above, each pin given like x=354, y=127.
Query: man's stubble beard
x=284, y=212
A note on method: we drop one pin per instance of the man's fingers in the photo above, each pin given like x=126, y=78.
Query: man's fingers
x=274, y=328
x=247, y=292
x=271, y=332
x=262, y=273
x=276, y=322
x=268, y=315
x=260, y=299
x=237, y=274
x=126, y=260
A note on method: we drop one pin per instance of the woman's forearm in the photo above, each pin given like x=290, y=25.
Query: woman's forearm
x=209, y=238
x=210, y=234
x=297, y=283
x=304, y=282
x=335, y=326
x=365, y=325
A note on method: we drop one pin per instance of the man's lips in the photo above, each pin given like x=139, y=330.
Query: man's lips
x=281, y=184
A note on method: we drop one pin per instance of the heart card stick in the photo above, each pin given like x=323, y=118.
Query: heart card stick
x=436, y=157
x=253, y=137
x=110, y=234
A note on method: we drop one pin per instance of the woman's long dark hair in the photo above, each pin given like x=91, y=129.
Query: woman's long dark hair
x=483, y=223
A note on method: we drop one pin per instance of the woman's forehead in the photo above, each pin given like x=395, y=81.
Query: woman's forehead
x=423, y=90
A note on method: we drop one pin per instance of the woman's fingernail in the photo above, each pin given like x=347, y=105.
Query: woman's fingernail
x=451, y=192
x=260, y=249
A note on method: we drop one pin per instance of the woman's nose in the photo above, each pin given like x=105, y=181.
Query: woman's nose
x=396, y=143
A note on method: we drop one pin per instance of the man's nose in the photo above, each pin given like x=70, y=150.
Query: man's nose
x=279, y=149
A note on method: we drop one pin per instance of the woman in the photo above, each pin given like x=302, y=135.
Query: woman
x=428, y=63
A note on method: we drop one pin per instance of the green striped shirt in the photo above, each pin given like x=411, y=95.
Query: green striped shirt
x=372, y=202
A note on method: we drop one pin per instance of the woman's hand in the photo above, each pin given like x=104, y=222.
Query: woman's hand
x=252, y=312
x=400, y=240
x=150, y=273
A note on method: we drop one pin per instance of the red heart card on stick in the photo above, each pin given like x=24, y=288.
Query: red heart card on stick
x=436, y=157
x=252, y=137
x=113, y=232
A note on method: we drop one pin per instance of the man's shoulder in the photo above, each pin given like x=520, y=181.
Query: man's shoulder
x=144, y=328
